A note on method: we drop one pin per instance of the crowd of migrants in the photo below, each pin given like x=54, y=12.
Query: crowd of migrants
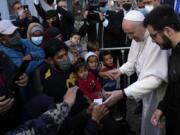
x=52, y=83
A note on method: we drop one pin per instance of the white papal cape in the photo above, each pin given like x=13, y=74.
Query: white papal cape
x=151, y=65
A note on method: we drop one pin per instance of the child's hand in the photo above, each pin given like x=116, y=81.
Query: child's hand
x=93, y=85
x=106, y=75
x=99, y=94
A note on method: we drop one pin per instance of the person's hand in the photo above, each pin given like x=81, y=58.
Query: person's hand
x=155, y=119
x=5, y=104
x=29, y=16
x=90, y=108
x=113, y=97
x=99, y=94
x=36, y=2
x=27, y=57
x=70, y=95
x=23, y=80
x=115, y=73
x=85, y=14
x=98, y=112
x=22, y=14
x=106, y=75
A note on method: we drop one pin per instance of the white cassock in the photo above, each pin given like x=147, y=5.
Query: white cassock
x=151, y=65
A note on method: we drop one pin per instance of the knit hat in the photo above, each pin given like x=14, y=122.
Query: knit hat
x=33, y=27
x=134, y=15
x=89, y=54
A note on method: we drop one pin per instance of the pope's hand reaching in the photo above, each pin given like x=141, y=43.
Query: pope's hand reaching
x=113, y=97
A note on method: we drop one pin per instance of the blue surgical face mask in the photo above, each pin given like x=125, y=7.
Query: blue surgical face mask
x=37, y=40
x=104, y=9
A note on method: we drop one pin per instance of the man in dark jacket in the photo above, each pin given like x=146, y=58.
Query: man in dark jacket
x=164, y=27
x=107, y=29
x=60, y=18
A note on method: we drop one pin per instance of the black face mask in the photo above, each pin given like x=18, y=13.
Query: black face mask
x=127, y=6
x=49, y=2
x=167, y=43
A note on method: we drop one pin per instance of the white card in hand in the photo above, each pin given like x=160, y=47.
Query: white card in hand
x=98, y=101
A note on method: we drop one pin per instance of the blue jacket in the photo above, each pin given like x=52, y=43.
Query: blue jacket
x=28, y=48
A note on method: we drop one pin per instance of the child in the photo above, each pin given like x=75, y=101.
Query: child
x=93, y=63
x=93, y=46
x=108, y=65
x=74, y=46
x=87, y=82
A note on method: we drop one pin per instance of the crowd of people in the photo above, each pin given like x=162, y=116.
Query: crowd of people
x=52, y=83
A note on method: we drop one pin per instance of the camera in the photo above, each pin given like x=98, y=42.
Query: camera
x=93, y=9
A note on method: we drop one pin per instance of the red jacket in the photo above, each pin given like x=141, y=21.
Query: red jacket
x=89, y=87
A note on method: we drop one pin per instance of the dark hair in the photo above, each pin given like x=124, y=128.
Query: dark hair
x=79, y=66
x=92, y=46
x=161, y=17
x=53, y=46
x=75, y=33
x=103, y=54
x=51, y=13
x=16, y=2
x=57, y=1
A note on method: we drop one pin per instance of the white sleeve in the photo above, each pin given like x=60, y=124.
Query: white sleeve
x=142, y=87
x=127, y=68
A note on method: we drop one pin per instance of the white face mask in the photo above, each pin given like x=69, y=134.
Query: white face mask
x=149, y=8
x=37, y=40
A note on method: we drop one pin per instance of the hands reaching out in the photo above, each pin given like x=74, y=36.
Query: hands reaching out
x=112, y=74
x=70, y=95
x=113, y=97
x=97, y=112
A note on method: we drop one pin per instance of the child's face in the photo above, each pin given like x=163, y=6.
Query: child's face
x=93, y=62
x=75, y=39
x=108, y=60
x=83, y=73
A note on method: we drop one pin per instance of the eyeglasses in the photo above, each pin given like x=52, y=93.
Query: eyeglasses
x=153, y=35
